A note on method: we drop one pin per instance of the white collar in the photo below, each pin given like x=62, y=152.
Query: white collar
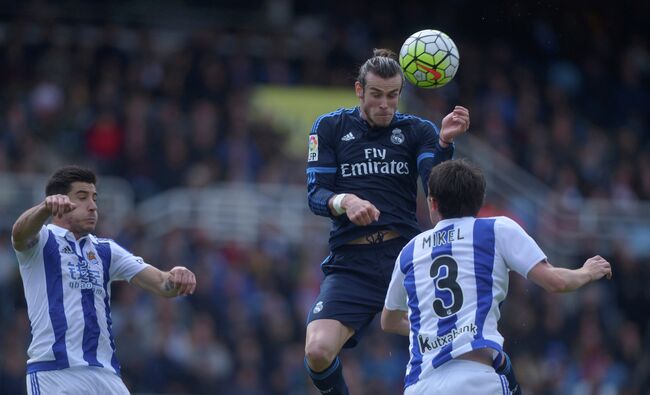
x=447, y=221
x=63, y=232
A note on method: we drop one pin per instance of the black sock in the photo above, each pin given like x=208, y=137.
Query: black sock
x=330, y=381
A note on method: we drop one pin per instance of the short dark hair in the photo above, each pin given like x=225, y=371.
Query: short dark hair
x=60, y=182
x=458, y=187
x=383, y=64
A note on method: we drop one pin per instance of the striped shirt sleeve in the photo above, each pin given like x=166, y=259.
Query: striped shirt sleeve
x=520, y=251
x=123, y=264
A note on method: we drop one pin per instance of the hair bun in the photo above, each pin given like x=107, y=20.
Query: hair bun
x=385, y=52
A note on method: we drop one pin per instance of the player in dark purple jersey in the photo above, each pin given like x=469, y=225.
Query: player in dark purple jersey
x=362, y=170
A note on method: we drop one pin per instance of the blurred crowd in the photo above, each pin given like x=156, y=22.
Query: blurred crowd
x=563, y=95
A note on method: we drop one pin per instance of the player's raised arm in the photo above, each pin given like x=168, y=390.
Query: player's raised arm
x=25, y=230
x=557, y=279
x=179, y=281
x=453, y=124
x=438, y=145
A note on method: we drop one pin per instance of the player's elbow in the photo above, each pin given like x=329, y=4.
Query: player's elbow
x=385, y=324
x=19, y=239
x=312, y=206
x=15, y=235
x=389, y=323
x=550, y=278
x=388, y=327
x=311, y=203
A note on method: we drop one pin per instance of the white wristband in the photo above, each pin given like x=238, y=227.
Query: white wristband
x=336, y=203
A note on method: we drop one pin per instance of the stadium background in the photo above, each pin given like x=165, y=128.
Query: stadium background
x=194, y=114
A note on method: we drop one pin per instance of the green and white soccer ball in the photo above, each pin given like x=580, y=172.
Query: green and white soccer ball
x=429, y=59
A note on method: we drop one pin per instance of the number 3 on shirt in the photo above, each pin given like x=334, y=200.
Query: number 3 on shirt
x=448, y=294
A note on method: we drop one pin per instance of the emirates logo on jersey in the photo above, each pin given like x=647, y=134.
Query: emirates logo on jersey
x=376, y=162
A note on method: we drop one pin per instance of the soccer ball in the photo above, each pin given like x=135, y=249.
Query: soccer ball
x=429, y=58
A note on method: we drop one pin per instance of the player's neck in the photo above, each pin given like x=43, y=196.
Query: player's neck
x=62, y=224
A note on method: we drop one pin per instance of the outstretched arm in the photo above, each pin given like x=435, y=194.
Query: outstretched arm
x=178, y=281
x=24, y=233
x=557, y=279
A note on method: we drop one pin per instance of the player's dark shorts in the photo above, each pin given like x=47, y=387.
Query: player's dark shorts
x=355, y=284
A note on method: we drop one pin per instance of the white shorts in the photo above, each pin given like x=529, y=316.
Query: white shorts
x=82, y=380
x=461, y=377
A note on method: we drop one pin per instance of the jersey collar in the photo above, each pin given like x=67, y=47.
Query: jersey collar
x=448, y=221
x=63, y=232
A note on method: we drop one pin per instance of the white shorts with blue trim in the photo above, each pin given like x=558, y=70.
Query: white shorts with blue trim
x=460, y=377
x=81, y=380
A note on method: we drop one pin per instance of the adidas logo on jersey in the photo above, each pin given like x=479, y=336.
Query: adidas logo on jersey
x=348, y=137
x=67, y=250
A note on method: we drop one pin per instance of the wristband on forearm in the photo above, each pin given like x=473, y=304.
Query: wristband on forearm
x=336, y=204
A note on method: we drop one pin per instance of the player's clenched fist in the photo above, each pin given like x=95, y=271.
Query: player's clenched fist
x=598, y=267
x=182, y=280
x=58, y=205
x=360, y=212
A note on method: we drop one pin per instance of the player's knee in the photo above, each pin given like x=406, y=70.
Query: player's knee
x=319, y=355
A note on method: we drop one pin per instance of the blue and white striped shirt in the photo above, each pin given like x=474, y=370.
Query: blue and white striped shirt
x=67, y=287
x=451, y=280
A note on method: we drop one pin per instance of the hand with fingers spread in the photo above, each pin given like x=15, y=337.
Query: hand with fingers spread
x=454, y=124
x=57, y=205
x=182, y=280
x=360, y=212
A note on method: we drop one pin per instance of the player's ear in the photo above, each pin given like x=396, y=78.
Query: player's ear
x=358, y=89
x=433, y=210
x=433, y=204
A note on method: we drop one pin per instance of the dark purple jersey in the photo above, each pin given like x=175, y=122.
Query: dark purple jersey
x=381, y=165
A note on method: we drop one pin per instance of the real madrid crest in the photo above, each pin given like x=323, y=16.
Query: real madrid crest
x=397, y=136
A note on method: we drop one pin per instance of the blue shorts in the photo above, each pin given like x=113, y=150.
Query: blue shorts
x=354, y=288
